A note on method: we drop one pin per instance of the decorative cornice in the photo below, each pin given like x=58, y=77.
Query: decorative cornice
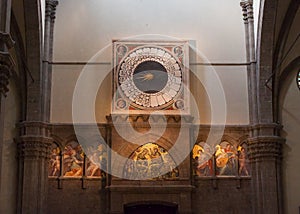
x=145, y=118
x=51, y=9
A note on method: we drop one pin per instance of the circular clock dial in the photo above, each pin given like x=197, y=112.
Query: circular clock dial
x=150, y=77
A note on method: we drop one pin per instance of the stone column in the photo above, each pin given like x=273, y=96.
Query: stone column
x=47, y=57
x=6, y=63
x=265, y=154
x=265, y=145
x=247, y=9
x=35, y=137
x=33, y=153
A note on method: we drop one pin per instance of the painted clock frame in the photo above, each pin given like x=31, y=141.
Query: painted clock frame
x=172, y=98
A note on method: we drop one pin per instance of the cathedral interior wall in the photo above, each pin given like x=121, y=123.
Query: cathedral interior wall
x=9, y=168
x=290, y=120
x=218, y=40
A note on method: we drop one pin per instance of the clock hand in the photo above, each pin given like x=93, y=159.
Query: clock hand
x=148, y=76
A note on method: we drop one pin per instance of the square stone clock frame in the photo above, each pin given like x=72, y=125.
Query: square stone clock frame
x=129, y=96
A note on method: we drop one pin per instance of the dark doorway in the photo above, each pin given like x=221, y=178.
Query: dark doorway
x=150, y=207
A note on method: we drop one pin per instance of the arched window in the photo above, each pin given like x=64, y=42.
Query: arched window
x=73, y=159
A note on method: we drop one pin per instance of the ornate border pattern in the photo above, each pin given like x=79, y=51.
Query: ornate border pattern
x=139, y=98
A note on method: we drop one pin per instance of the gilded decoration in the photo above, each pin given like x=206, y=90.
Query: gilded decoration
x=150, y=161
x=72, y=161
x=224, y=160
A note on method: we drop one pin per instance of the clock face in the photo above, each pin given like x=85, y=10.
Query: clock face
x=149, y=77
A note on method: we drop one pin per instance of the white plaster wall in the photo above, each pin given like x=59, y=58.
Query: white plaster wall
x=83, y=28
x=43, y=8
x=290, y=113
x=256, y=6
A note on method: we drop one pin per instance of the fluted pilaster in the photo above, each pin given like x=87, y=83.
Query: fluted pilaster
x=33, y=154
x=265, y=154
x=50, y=15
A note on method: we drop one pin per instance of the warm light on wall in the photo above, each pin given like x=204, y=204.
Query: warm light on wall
x=298, y=79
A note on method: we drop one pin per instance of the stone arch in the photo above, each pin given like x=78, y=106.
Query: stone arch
x=230, y=140
x=288, y=108
x=265, y=41
x=21, y=77
x=73, y=137
x=58, y=140
x=286, y=78
x=127, y=148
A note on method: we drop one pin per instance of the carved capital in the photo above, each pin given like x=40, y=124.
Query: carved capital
x=6, y=64
x=247, y=9
x=264, y=148
x=34, y=147
x=244, y=10
x=51, y=9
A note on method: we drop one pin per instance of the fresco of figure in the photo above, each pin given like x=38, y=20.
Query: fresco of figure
x=73, y=160
x=96, y=161
x=150, y=161
x=54, y=162
x=202, y=160
x=226, y=159
x=243, y=162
